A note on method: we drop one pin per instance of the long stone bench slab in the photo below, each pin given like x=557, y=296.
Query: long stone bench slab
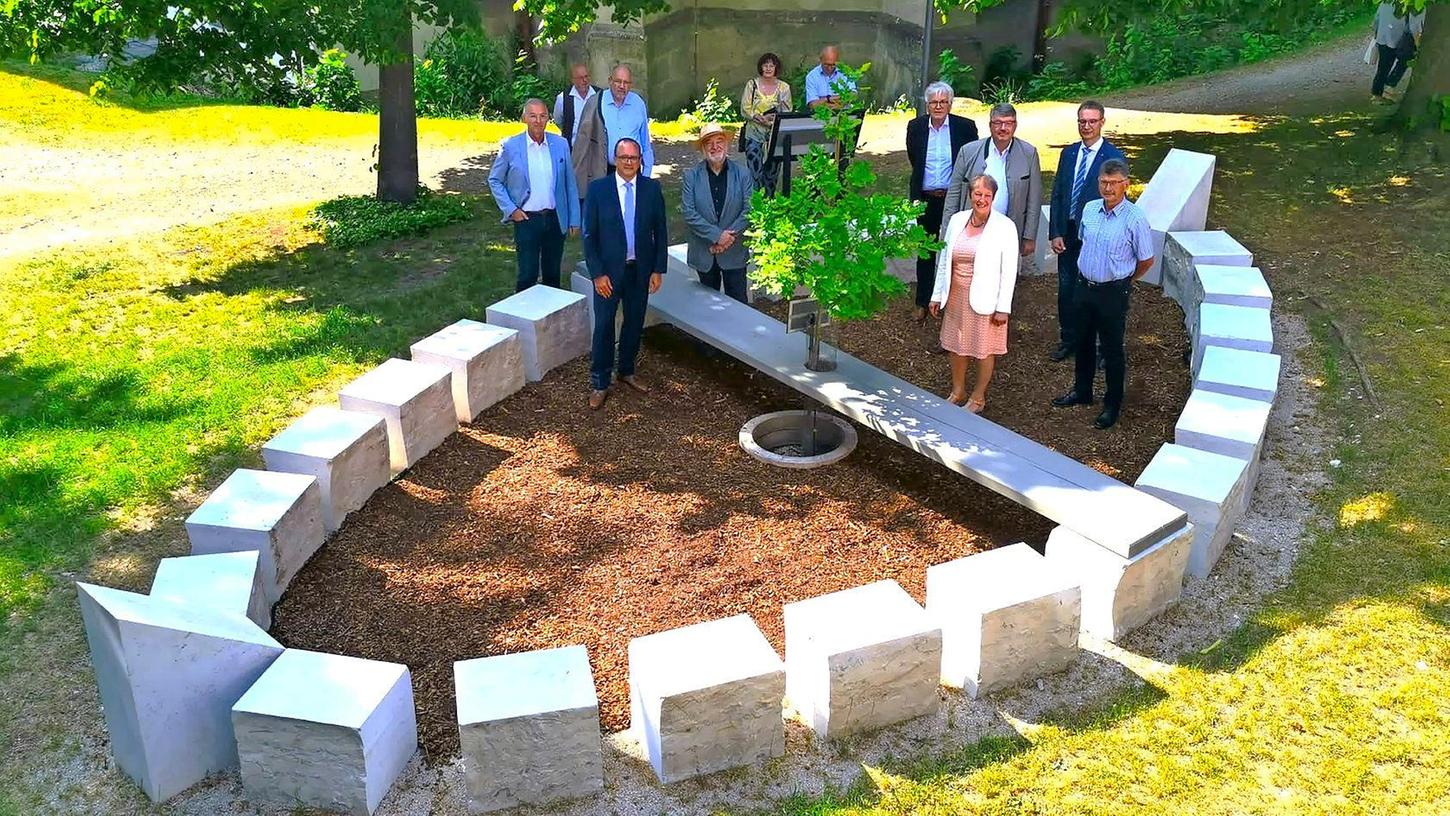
x=1117, y=517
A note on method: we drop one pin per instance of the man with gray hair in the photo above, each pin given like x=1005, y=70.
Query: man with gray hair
x=533, y=183
x=931, y=142
x=1013, y=164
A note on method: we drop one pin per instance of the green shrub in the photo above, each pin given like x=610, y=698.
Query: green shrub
x=331, y=84
x=351, y=221
x=464, y=73
x=1055, y=82
x=961, y=76
x=712, y=107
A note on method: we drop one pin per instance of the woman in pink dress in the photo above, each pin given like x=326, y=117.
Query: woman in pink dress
x=976, y=293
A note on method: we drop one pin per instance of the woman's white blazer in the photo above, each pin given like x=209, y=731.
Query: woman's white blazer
x=994, y=274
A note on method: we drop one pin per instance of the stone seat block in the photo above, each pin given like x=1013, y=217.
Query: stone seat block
x=1182, y=249
x=528, y=725
x=1176, y=199
x=1120, y=594
x=277, y=514
x=325, y=731
x=1219, y=423
x=1233, y=285
x=229, y=583
x=1211, y=488
x=346, y=450
x=487, y=363
x=706, y=697
x=1242, y=327
x=1239, y=373
x=1042, y=254
x=1006, y=615
x=553, y=326
x=860, y=659
x=415, y=400
x=168, y=672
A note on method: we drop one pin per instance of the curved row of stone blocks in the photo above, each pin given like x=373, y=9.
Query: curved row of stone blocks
x=192, y=684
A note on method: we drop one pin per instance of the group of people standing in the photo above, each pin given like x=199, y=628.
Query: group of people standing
x=983, y=198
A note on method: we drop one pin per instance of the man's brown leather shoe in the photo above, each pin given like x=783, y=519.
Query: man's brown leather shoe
x=633, y=382
x=596, y=399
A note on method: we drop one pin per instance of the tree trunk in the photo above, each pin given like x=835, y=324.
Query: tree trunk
x=398, y=128
x=524, y=30
x=1039, y=35
x=1430, y=77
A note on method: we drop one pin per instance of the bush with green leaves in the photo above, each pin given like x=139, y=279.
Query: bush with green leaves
x=960, y=75
x=331, y=84
x=351, y=221
x=464, y=73
x=830, y=233
x=712, y=107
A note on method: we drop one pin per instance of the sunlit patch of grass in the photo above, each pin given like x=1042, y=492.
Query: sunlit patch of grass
x=1372, y=507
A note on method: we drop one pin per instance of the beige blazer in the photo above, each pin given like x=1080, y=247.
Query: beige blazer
x=994, y=274
x=591, y=144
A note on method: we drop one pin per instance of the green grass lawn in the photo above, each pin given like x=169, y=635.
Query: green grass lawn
x=135, y=376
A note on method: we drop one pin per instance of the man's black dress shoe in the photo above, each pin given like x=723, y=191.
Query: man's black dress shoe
x=1062, y=352
x=1107, y=419
x=1070, y=399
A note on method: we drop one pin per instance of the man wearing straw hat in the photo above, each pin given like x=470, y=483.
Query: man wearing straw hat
x=715, y=198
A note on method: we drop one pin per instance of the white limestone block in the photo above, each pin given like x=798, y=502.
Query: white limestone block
x=553, y=326
x=1176, y=198
x=1233, y=285
x=414, y=399
x=325, y=731
x=168, y=674
x=1241, y=327
x=1183, y=249
x=487, y=363
x=1211, y=488
x=277, y=514
x=229, y=583
x=1219, y=423
x=1006, y=615
x=1120, y=594
x=528, y=726
x=346, y=450
x=1042, y=255
x=706, y=697
x=861, y=659
x=1238, y=373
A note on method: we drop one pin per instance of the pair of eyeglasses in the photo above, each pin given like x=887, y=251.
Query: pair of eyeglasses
x=618, y=159
x=1003, y=122
x=1089, y=121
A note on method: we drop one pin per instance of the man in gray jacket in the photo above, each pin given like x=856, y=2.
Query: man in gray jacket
x=1013, y=163
x=715, y=197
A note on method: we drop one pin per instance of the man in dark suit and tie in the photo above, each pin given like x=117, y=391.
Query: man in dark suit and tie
x=932, y=142
x=626, y=241
x=1072, y=188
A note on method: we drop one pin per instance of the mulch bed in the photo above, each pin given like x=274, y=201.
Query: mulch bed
x=545, y=524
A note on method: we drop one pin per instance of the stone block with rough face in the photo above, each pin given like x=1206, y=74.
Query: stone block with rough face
x=528, y=726
x=706, y=697
x=861, y=659
x=1176, y=199
x=1044, y=259
x=168, y=673
x=1211, y=488
x=1219, y=423
x=229, y=583
x=553, y=326
x=1183, y=249
x=1120, y=594
x=277, y=514
x=487, y=363
x=1006, y=615
x=415, y=400
x=1242, y=327
x=1239, y=373
x=325, y=731
x=346, y=450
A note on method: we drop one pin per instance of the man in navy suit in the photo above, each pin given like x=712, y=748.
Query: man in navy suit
x=1072, y=188
x=626, y=241
x=932, y=143
x=532, y=181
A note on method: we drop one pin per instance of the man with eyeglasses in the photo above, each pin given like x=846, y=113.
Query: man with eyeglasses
x=821, y=80
x=620, y=113
x=931, y=142
x=1116, y=249
x=1072, y=188
x=1013, y=163
x=626, y=240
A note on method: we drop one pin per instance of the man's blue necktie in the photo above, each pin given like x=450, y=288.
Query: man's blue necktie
x=1077, y=183
x=629, y=220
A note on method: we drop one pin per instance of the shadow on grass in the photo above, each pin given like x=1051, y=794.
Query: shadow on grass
x=56, y=396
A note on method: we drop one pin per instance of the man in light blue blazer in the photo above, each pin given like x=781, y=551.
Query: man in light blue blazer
x=715, y=197
x=533, y=182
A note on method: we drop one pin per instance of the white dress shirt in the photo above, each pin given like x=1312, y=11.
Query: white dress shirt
x=541, y=176
x=619, y=189
x=996, y=167
x=937, y=175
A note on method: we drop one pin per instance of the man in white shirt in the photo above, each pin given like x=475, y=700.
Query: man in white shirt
x=532, y=182
x=569, y=105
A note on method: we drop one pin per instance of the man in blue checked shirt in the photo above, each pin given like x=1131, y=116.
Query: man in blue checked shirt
x=1117, y=249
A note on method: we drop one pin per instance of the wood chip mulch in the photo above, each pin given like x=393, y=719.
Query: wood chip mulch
x=545, y=524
